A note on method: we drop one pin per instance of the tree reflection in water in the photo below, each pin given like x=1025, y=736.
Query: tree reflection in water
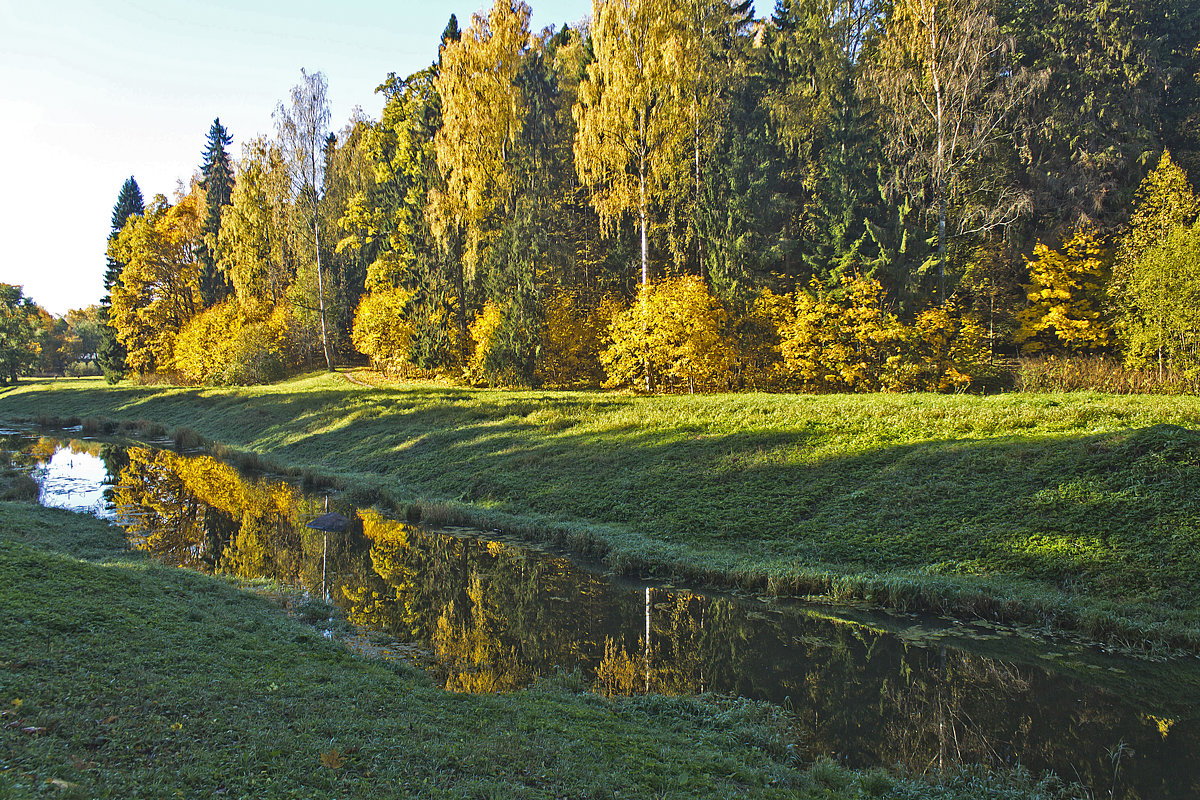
x=498, y=616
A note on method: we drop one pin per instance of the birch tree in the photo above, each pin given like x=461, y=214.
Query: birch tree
x=482, y=111
x=301, y=130
x=946, y=78
x=632, y=107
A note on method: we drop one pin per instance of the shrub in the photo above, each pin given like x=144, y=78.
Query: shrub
x=846, y=340
x=574, y=334
x=382, y=330
x=842, y=339
x=672, y=338
x=224, y=345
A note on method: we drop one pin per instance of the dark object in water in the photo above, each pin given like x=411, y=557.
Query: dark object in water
x=332, y=522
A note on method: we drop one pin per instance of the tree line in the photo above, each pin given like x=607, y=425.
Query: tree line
x=843, y=195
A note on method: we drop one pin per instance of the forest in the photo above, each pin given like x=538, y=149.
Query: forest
x=843, y=195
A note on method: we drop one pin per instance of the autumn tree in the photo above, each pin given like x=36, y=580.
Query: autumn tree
x=301, y=129
x=677, y=329
x=159, y=287
x=950, y=88
x=1150, y=285
x=255, y=250
x=381, y=329
x=482, y=109
x=1066, y=293
x=1160, y=320
x=632, y=107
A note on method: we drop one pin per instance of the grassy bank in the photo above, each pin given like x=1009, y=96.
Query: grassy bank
x=122, y=679
x=1077, y=510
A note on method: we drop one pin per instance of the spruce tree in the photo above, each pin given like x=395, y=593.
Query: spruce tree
x=111, y=354
x=129, y=202
x=218, y=185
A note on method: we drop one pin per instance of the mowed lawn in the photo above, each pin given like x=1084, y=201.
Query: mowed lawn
x=1079, y=510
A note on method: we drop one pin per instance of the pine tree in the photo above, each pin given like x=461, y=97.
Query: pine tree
x=218, y=185
x=110, y=354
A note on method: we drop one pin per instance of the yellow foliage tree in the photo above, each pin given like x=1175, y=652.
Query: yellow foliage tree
x=382, y=331
x=849, y=341
x=482, y=109
x=676, y=332
x=946, y=352
x=224, y=345
x=632, y=107
x=485, y=332
x=159, y=287
x=841, y=341
x=1065, y=292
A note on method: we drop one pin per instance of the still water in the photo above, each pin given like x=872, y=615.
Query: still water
x=869, y=688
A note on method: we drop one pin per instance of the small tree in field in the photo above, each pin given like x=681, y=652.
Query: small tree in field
x=382, y=331
x=1065, y=292
x=1161, y=323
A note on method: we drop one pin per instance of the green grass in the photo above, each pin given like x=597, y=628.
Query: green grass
x=120, y=678
x=1074, y=510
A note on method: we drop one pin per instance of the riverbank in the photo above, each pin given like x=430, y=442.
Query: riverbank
x=121, y=678
x=1076, y=511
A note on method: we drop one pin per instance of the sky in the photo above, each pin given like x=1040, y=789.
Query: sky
x=92, y=92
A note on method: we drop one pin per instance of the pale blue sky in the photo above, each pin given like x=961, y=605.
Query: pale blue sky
x=93, y=92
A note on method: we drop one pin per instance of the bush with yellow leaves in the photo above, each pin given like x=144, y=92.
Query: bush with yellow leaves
x=226, y=345
x=673, y=338
x=842, y=339
x=845, y=339
x=574, y=334
x=1065, y=293
x=382, y=331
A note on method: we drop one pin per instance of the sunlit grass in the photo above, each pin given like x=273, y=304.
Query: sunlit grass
x=1041, y=507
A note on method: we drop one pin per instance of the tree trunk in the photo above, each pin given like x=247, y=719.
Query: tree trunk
x=321, y=296
x=643, y=214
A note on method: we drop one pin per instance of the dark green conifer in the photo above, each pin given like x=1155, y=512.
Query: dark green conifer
x=218, y=185
x=110, y=354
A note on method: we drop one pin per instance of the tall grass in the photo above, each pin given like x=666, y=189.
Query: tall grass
x=1100, y=374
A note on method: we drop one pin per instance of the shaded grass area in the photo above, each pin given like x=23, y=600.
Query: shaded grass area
x=1076, y=510
x=120, y=678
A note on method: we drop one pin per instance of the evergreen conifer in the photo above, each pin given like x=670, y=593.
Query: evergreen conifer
x=218, y=185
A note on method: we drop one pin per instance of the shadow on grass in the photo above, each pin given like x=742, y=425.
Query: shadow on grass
x=1111, y=515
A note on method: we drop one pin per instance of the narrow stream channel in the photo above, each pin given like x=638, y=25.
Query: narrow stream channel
x=869, y=688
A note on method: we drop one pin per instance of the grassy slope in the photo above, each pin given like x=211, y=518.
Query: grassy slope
x=1077, y=509
x=122, y=679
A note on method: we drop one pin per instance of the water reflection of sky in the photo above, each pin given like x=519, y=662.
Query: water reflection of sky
x=74, y=481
